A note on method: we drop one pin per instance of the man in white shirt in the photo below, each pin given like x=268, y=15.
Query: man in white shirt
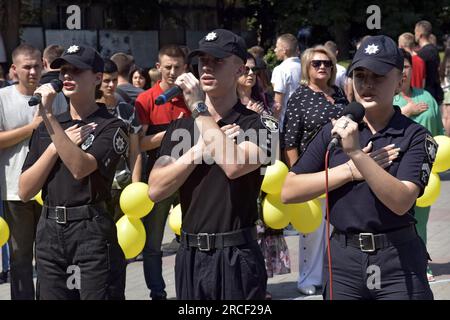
x=286, y=76
x=341, y=76
x=17, y=122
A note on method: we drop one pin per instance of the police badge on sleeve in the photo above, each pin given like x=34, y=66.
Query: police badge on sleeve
x=120, y=141
x=269, y=122
x=88, y=142
x=431, y=150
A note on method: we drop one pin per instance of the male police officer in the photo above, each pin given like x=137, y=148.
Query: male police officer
x=219, y=257
x=73, y=158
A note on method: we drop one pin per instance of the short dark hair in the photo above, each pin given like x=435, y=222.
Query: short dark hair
x=109, y=66
x=406, y=55
x=124, y=62
x=172, y=50
x=52, y=52
x=291, y=43
x=257, y=51
x=331, y=45
x=25, y=49
x=143, y=73
x=425, y=26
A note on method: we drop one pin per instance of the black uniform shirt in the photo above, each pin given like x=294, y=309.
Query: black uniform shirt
x=128, y=115
x=211, y=202
x=107, y=143
x=354, y=207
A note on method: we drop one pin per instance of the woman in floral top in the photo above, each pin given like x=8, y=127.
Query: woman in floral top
x=315, y=102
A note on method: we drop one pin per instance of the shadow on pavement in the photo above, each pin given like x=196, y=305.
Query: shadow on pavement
x=283, y=290
x=445, y=176
x=440, y=269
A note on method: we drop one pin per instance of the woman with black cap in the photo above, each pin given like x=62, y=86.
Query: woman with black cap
x=375, y=250
x=72, y=159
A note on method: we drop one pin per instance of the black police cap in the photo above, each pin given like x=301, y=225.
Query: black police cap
x=221, y=43
x=81, y=57
x=378, y=54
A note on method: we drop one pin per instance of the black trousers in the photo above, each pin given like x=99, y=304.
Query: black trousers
x=232, y=273
x=393, y=273
x=80, y=259
x=22, y=219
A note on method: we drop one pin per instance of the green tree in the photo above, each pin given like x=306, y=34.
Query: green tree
x=342, y=20
x=10, y=24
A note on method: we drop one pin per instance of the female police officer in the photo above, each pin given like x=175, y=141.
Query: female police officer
x=77, y=252
x=375, y=250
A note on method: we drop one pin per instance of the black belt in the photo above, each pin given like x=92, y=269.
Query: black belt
x=369, y=242
x=62, y=215
x=209, y=241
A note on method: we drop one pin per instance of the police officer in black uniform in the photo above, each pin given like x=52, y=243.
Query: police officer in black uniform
x=219, y=178
x=73, y=158
x=375, y=250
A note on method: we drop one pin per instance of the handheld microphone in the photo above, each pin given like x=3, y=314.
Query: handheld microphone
x=36, y=98
x=168, y=95
x=354, y=111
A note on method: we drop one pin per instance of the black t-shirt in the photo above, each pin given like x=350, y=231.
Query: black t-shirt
x=107, y=143
x=211, y=202
x=430, y=55
x=354, y=207
x=306, y=113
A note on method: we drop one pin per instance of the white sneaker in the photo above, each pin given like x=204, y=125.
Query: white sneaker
x=307, y=290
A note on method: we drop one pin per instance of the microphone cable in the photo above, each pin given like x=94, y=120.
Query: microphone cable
x=330, y=273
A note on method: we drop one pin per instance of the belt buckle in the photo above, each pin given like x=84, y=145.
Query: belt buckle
x=199, y=242
x=61, y=215
x=361, y=244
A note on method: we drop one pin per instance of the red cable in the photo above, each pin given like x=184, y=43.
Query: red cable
x=330, y=274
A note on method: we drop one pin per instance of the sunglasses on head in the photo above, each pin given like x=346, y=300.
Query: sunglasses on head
x=317, y=63
x=247, y=69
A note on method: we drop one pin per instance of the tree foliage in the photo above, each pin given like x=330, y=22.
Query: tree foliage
x=343, y=20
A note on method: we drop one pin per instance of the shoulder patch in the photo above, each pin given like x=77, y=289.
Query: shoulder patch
x=425, y=173
x=269, y=122
x=430, y=148
x=88, y=142
x=120, y=141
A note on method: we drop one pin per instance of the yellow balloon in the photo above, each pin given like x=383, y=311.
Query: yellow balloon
x=175, y=219
x=442, y=161
x=274, y=178
x=4, y=232
x=131, y=236
x=308, y=217
x=322, y=196
x=134, y=200
x=431, y=192
x=38, y=198
x=275, y=213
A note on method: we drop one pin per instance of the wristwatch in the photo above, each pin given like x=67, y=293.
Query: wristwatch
x=200, y=107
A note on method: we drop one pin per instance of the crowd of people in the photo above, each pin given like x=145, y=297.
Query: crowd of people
x=83, y=144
